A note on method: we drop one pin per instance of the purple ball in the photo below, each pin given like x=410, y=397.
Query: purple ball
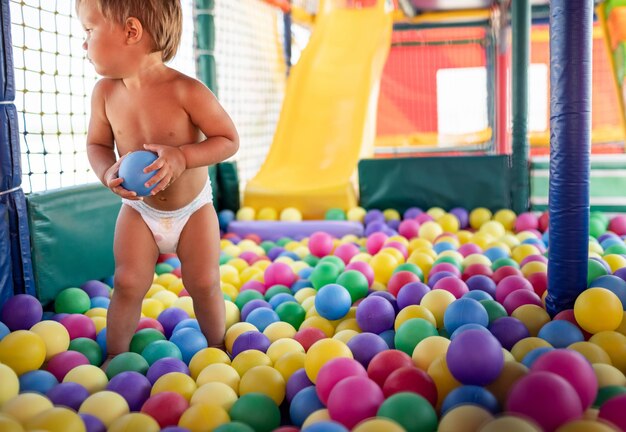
x=132, y=386
x=621, y=273
x=373, y=215
x=411, y=294
x=92, y=423
x=389, y=297
x=250, y=340
x=296, y=382
x=274, y=252
x=170, y=317
x=166, y=365
x=21, y=312
x=435, y=277
x=482, y=283
x=462, y=215
x=252, y=305
x=69, y=394
x=412, y=213
x=95, y=288
x=365, y=346
x=393, y=224
x=174, y=429
x=375, y=226
x=375, y=314
x=508, y=331
x=475, y=358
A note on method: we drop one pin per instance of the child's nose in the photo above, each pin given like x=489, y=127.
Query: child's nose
x=85, y=45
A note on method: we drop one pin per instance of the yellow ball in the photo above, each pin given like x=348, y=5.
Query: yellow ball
x=614, y=344
x=345, y=335
x=510, y=424
x=493, y=228
x=437, y=301
x=231, y=250
x=9, y=424
x=526, y=345
x=435, y=212
x=234, y=331
x=106, y=405
x=219, y=372
x=151, y=307
x=608, y=375
x=154, y=288
x=534, y=267
x=414, y=311
x=598, y=309
x=319, y=323
x=176, y=287
x=267, y=214
x=511, y=372
x=532, y=316
x=230, y=275
x=430, y=230
x=356, y=214
x=290, y=214
x=100, y=323
x=203, y=417
x=441, y=375
x=321, y=352
x=615, y=261
x=586, y=426
x=185, y=303
x=251, y=273
x=283, y=346
x=428, y=350
x=479, y=216
x=348, y=324
x=391, y=214
x=135, y=421
x=304, y=293
x=22, y=351
x=215, y=393
x=449, y=223
x=378, y=424
x=265, y=380
x=10, y=384
x=315, y=417
x=25, y=406
x=177, y=382
x=54, y=335
x=524, y=250
x=205, y=357
x=279, y=330
x=464, y=418
x=248, y=359
x=166, y=279
x=506, y=217
x=233, y=314
x=475, y=259
x=56, y=419
x=423, y=261
x=89, y=376
x=92, y=313
x=591, y=352
x=289, y=363
x=383, y=265
x=246, y=214
x=167, y=298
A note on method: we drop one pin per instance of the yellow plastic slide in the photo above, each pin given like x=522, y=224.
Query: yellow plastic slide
x=328, y=118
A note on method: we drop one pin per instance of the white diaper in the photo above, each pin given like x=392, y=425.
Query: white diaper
x=166, y=226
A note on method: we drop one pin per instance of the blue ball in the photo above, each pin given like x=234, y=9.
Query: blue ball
x=173, y=261
x=561, y=333
x=303, y=404
x=100, y=302
x=281, y=298
x=478, y=295
x=189, y=341
x=464, y=311
x=131, y=170
x=389, y=337
x=465, y=327
x=262, y=317
x=39, y=381
x=333, y=301
x=494, y=253
x=470, y=395
x=101, y=338
x=299, y=284
x=187, y=323
x=614, y=284
x=325, y=426
x=4, y=330
x=225, y=217
x=534, y=354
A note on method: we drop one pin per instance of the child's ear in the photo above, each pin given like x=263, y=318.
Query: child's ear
x=134, y=30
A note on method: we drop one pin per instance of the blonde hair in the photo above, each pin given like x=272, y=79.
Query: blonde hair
x=161, y=19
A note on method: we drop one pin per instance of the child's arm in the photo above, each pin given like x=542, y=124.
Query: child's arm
x=101, y=145
x=206, y=113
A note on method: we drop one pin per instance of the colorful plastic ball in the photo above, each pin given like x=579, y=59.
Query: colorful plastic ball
x=475, y=357
x=334, y=371
x=189, y=341
x=355, y=282
x=510, y=423
x=257, y=411
x=411, y=379
x=134, y=421
x=248, y=359
x=482, y=283
x=133, y=387
x=321, y=352
x=344, y=408
x=10, y=384
x=409, y=410
x=89, y=376
x=250, y=340
x=365, y=346
x=143, y=337
x=204, y=417
x=508, y=331
x=69, y=394
x=22, y=351
x=464, y=418
x=292, y=313
x=92, y=423
x=614, y=344
x=333, y=301
x=510, y=284
x=296, y=382
x=165, y=366
x=39, y=381
x=128, y=361
x=177, y=382
x=546, y=398
x=561, y=333
x=166, y=408
x=320, y=244
x=56, y=419
x=214, y=393
x=170, y=317
x=96, y=288
x=26, y=406
x=72, y=301
x=385, y=362
x=412, y=332
x=89, y=348
x=21, y=312
x=464, y=311
x=375, y=314
x=598, y=309
x=105, y=405
x=520, y=298
x=533, y=317
x=160, y=349
x=262, y=317
x=613, y=411
x=265, y=380
x=79, y=326
x=205, y=357
x=470, y=394
x=132, y=171
x=279, y=273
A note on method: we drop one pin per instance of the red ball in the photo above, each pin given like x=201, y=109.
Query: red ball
x=613, y=411
x=146, y=322
x=400, y=279
x=255, y=238
x=411, y=379
x=476, y=269
x=505, y=271
x=385, y=362
x=63, y=362
x=166, y=408
x=178, y=271
x=539, y=281
x=164, y=257
x=544, y=221
x=308, y=336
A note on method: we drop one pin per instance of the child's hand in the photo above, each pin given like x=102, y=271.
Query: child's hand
x=114, y=182
x=170, y=165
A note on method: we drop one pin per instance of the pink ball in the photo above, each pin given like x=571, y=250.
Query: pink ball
x=468, y=249
x=539, y=281
x=409, y=228
x=375, y=242
x=546, y=398
x=279, y=273
x=618, y=225
x=334, y=372
x=400, y=279
x=147, y=322
x=519, y=298
x=364, y=268
x=423, y=217
x=574, y=368
x=249, y=257
x=613, y=411
x=526, y=221
x=533, y=258
x=400, y=247
x=254, y=285
x=505, y=271
x=78, y=325
x=445, y=266
x=346, y=252
x=453, y=285
x=476, y=269
x=509, y=284
x=308, y=336
x=320, y=244
x=63, y=362
x=354, y=399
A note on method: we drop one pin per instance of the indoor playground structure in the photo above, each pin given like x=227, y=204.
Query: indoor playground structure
x=424, y=228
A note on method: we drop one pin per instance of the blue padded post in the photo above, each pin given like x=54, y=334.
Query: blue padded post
x=571, y=26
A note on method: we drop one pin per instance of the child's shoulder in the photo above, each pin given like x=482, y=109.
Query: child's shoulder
x=105, y=86
x=185, y=82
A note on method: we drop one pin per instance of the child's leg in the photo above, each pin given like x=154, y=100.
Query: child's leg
x=199, y=252
x=135, y=256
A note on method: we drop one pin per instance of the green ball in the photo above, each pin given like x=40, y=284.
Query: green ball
x=89, y=348
x=234, y=427
x=619, y=249
x=227, y=297
x=335, y=214
x=143, y=338
x=355, y=282
x=257, y=411
x=410, y=267
x=501, y=262
x=412, y=332
x=276, y=289
x=162, y=268
x=494, y=310
x=224, y=258
x=412, y=411
x=323, y=274
x=311, y=260
x=449, y=260
x=606, y=393
x=128, y=361
x=595, y=269
x=596, y=228
x=160, y=349
x=246, y=296
x=283, y=241
x=72, y=301
x=292, y=313
x=268, y=245
x=601, y=217
x=338, y=262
